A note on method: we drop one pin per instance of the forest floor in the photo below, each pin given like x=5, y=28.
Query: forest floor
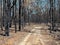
x=35, y=34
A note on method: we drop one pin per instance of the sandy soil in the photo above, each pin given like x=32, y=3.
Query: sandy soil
x=35, y=34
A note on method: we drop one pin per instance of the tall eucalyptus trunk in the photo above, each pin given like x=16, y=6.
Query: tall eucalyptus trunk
x=20, y=15
x=52, y=15
x=15, y=17
x=7, y=14
x=1, y=14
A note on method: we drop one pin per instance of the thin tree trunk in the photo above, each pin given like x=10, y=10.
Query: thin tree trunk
x=19, y=15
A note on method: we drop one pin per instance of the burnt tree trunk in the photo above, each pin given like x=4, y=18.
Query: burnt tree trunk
x=19, y=15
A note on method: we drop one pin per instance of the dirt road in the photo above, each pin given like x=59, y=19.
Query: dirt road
x=39, y=36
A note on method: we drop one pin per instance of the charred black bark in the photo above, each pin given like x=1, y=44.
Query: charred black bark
x=52, y=15
x=15, y=18
x=19, y=15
